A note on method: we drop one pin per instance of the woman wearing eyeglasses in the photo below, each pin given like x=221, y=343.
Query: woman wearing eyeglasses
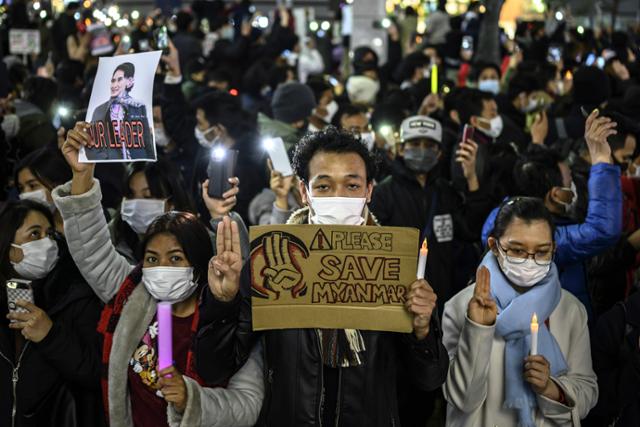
x=494, y=379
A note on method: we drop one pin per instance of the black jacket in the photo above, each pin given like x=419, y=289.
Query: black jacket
x=455, y=225
x=367, y=394
x=616, y=361
x=58, y=380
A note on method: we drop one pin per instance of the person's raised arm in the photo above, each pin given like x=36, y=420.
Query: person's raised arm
x=468, y=338
x=224, y=338
x=603, y=223
x=85, y=226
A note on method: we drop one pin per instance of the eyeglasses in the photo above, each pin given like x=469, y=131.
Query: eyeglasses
x=520, y=256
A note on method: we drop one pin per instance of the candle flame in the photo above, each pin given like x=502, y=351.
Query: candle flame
x=534, y=320
x=424, y=244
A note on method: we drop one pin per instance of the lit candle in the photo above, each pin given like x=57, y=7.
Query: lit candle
x=165, y=336
x=422, y=261
x=434, y=78
x=534, y=335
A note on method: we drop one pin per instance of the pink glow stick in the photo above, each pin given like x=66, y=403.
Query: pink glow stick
x=165, y=336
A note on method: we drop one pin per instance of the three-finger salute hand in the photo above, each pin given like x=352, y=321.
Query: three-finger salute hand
x=482, y=308
x=225, y=266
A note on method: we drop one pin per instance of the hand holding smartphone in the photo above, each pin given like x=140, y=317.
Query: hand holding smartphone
x=18, y=289
x=221, y=167
x=468, y=133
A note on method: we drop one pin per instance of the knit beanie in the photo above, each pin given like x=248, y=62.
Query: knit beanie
x=292, y=102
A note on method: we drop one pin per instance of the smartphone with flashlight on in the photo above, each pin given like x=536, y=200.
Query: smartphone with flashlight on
x=161, y=38
x=554, y=54
x=221, y=167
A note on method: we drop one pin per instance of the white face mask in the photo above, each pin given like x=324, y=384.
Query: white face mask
x=162, y=140
x=140, y=213
x=39, y=258
x=524, y=275
x=337, y=210
x=202, y=138
x=368, y=138
x=39, y=196
x=169, y=284
x=495, y=127
x=491, y=86
x=332, y=109
x=570, y=207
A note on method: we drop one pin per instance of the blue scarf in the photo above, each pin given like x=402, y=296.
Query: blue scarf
x=514, y=325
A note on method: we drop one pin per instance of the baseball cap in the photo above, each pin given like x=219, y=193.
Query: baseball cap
x=420, y=127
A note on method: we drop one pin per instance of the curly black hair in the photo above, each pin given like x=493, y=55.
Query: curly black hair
x=330, y=140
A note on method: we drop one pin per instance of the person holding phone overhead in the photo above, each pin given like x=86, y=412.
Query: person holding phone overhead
x=495, y=378
x=49, y=357
x=177, y=249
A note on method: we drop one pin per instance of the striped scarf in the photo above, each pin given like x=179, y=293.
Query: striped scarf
x=109, y=320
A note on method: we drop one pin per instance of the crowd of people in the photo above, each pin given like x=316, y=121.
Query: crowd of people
x=516, y=158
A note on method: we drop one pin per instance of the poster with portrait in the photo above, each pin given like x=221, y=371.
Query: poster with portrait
x=120, y=110
x=334, y=277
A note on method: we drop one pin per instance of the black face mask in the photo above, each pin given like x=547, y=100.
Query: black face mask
x=623, y=166
x=420, y=160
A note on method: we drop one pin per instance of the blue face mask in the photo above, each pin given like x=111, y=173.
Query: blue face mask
x=491, y=86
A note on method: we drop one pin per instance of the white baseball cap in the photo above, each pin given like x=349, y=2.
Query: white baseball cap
x=420, y=127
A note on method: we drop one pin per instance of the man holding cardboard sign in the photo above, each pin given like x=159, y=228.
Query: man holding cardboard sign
x=319, y=376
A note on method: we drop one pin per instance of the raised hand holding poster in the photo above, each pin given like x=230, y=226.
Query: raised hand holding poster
x=343, y=277
x=121, y=110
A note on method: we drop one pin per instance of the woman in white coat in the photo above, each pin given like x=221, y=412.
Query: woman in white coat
x=175, y=268
x=494, y=379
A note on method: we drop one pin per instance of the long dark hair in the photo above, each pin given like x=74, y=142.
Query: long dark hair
x=528, y=209
x=47, y=164
x=192, y=236
x=165, y=182
x=12, y=217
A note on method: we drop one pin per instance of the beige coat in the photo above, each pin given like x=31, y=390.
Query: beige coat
x=474, y=388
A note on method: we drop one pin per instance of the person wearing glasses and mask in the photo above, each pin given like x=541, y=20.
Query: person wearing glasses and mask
x=496, y=375
x=540, y=174
x=174, y=269
x=353, y=382
x=49, y=358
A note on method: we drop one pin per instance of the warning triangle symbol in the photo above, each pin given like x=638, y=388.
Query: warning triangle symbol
x=320, y=242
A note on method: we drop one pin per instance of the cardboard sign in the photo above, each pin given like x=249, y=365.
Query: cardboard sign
x=342, y=277
x=24, y=42
x=121, y=110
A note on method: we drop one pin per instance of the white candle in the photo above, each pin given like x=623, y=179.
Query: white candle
x=534, y=335
x=422, y=261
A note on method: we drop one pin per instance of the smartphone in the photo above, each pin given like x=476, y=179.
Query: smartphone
x=554, y=54
x=590, y=60
x=221, y=167
x=468, y=133
x=161, y=36
x=278, y=155
x=125, y=43
x=467, y=43
x=18, y=289
x=600, y=62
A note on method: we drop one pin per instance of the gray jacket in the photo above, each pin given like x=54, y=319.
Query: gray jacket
x=89, y=242
x=263, y=210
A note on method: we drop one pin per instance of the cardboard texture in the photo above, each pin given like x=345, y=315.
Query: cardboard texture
x=335, y=277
